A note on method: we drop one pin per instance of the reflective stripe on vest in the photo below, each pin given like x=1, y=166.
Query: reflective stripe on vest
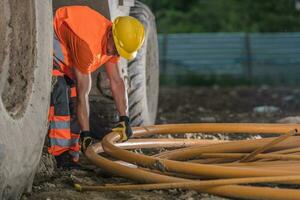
x=64, y=142
x=59, y=125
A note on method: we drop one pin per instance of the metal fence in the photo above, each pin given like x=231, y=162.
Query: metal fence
x=257, y=57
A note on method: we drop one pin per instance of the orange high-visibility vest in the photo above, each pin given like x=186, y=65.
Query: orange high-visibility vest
x=82, y=36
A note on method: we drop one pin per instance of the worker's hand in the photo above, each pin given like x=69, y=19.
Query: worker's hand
x=124, y=128
x=85, y=140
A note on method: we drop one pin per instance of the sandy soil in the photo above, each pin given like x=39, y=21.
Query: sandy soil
x=179, y=105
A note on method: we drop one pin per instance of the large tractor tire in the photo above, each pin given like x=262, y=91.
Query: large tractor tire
x=25, y=73
x=141, y=76
x=143, y=72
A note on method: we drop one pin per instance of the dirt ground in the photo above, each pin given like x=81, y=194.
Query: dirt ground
x=181, y=105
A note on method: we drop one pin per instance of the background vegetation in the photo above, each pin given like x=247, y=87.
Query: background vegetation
x=184, y=16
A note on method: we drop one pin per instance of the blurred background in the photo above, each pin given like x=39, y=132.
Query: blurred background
x=228, y=60
x=228, y=42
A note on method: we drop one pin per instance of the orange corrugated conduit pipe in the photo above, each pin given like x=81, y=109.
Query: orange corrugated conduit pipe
x=229, y=164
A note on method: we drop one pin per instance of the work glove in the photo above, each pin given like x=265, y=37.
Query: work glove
x=123, y=128
x=85, y=140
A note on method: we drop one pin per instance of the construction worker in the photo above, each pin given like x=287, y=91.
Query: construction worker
x=83, y=41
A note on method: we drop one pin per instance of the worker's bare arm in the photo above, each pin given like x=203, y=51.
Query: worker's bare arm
x=84, y=83
x=117, y=87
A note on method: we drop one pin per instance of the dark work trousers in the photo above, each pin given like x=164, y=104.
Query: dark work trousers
x=64, y=130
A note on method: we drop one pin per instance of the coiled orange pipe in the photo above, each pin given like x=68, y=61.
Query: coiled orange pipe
x=164, y=165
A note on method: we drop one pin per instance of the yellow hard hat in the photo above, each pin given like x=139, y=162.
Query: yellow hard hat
x=129, y=35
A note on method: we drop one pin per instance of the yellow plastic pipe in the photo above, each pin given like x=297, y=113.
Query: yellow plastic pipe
x=210, y=171
x=242, y=192
x=190, y=169
x=251, y=156
x=188, y=184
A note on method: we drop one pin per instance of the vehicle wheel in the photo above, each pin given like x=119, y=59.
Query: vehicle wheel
x=25, y=74
x=143, y=72
x=142, y=78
